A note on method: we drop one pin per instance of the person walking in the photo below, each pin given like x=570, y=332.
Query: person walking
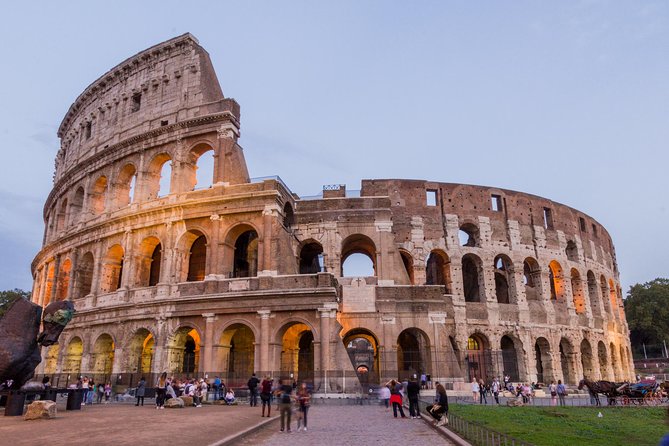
x=266, y=395
x=475, y=389
x=384, y=395
x=494, y=388
x=396, y=397
x=439, y=410
x=561, y=392
x=253, y=390
x=482, y=390
x=161, y=388
x=413, y=390
x=552, y=388
x=84, y=388
x=285, y=399
x=303, y=403
x=140, y=391
x=100, y=390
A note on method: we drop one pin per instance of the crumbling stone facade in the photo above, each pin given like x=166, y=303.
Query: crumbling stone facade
x=244, y=275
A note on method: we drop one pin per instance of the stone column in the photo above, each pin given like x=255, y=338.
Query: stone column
x=269, y=214
x=56, y=273
x=42, y=287
x=208, y=347
x=117, y=365
x=264, y=365
x=325, y=315
x=73, y=273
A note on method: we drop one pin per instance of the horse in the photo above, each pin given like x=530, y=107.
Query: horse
x=608, y=388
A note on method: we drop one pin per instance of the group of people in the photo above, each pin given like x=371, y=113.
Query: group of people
x=93, y=391
x=287, y=396
x=167, y=388
x=394, y=392
x=481, y=390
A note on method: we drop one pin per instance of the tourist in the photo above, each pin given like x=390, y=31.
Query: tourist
x=217, y=388
x=204, y=389
x=413, y=391
x=303, y=403
x=552, y=388
x=526, y=393
x=91, y=392
x=253, y=390
x=475, y=389
x=161, y=386
x=266, y=395
x=169, y=390
x=84, y=387
x=396, y=397
x=439, y=410
x=384, y=395
x=561, y=392
x=230, y=397
x=108, y=390
x=423, y=381
x=140, y=391
x=100, y=391
x=482, y=390
x=46, y=383
x=197, y=390
x=494, y=388
x=283, y=393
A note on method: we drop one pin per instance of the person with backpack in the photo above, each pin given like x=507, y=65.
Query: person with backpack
x=253, y=390
x=562, y=392
x=266, y=395
x=283, y=393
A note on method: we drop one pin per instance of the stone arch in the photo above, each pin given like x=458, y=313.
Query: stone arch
x=102, y=357
x=556, y=280
x=61, y=216
x=479, y=359
x=124, y=188
x=469, y=235
x=571, y=251
x=149, y=260
x=51, y=359
x=472, y=278
x=159, y=176
x=543, y=360
x=532, y=279
x=242, y=248
x=603, y=362
x=84, y=277
x=578, y=294
x=77, y=206
x=192, y=248
x=183, y=350
x=566, y=355
x=358, y=244
x=50, y=282
x=288, y=216
x=614, y=361
x=614, y=298
x=407, y=261
x=438, y=270
x=63, y=282
x=72, y=356
x=140, y=352
x=297, y=351
x=311, y=257
x=236, y=352
x=587, y=362
x=413, y=353
x=593, y=294
x=194, y=163
x=112, y=269
x=362, y=346
x=505, y=289
x=604, y=293
x=512, y=356
x=98, y=196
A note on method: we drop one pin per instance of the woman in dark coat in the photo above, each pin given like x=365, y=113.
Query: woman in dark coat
x=139, y=393
x=439, y=410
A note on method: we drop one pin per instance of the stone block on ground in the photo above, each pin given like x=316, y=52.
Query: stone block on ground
x=174, y=403
x=515, y=402
x=188, y=400
x=39, y=410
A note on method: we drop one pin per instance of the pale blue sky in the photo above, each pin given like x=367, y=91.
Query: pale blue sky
x=567, y=100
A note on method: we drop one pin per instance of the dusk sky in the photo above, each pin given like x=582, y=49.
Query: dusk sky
x=566, y=100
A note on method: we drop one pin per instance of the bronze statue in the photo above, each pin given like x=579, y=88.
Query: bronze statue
x=21, y=344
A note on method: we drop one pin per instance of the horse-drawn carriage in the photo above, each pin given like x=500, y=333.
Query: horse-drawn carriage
x=646, y=392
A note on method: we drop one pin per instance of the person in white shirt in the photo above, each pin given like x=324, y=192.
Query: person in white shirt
x=475, y=389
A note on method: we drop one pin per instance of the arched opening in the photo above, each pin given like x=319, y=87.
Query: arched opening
x=197, y=259
x=571, y=251
x=509, y=358
x=479, y=359
x=362, y=348
x=77, y=205
x=98, y=196
x=544, y=364
x=204, y=166
x=73, y=354
x=63, y=280
x=358, y=256
x=603, y=363
x=159, y=176
x=61, y=217
x=469, y=235
x=125, y=186
x=297, y=352
x=504, y=283
x=84, y=277
x=407, y=261
x=311, y=258
x=112, y=270
x=472, y=278
x=577, y=291
x=51, y=361
x=438, y=270
x=103, y=356
x=236, y=353
x=605, y=292
x=556, y=279
x=413, y=354
x=149, y=258
x=532, y=279
x=586, y=360
x=184, y=351
x=614, y=298
x=140, y=354
x=566, y=354
x=593, y=296
x=288, y=216
x=50, y=283
x=246, y=255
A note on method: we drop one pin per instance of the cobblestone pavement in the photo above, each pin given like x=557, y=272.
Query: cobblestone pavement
x=349, y=425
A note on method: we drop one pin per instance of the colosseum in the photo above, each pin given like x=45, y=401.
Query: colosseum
x=227, y=275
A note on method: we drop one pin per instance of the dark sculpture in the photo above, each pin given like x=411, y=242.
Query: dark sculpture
x=20, y=343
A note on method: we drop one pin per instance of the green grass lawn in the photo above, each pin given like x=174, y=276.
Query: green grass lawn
x=548, y=426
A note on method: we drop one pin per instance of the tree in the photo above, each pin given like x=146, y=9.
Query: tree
x=10, y=296
x=647, y=310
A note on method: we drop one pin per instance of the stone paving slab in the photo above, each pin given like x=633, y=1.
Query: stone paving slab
x=349, y=425
x=125, y=424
